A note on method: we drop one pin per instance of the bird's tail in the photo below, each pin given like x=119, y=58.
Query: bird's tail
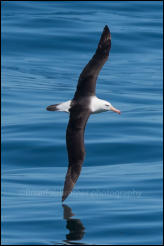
x=64, y=106
x=53, y=107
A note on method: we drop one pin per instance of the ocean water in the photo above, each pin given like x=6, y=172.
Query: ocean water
x=118, y=197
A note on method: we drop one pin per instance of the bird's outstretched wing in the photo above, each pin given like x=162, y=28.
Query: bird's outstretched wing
x=75, y=146
x=79, y=112
x=87, y=81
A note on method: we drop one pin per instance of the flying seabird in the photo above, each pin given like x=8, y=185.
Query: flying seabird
x=80, y=107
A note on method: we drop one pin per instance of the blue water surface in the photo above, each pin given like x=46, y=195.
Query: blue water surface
x=118, y=197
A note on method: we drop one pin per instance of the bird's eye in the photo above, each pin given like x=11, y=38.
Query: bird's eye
x=107, y=105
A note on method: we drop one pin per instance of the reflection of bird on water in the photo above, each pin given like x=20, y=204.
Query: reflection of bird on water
x=75, y=226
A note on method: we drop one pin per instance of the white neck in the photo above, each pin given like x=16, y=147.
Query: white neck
x=96, y=105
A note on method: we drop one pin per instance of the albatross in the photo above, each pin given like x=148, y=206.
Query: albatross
x=83, y=104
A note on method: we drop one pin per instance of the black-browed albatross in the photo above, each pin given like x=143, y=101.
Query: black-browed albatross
x=80, y=107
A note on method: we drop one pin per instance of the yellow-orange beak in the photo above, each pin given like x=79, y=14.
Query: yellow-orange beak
x=115, y=110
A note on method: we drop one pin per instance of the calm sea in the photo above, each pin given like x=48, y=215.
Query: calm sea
x=118, y=197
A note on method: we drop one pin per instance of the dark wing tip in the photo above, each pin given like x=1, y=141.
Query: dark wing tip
x=63, y=198
x=69, y=184
x=105, y=42
x=66, y=192
x=106, y=36
x=106, y=29
x=72, y=175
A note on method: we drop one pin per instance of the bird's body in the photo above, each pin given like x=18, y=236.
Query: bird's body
x=94, y=104
x=83, y=104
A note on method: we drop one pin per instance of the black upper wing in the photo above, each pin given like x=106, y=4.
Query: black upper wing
x=87, y=80
x=75, y=146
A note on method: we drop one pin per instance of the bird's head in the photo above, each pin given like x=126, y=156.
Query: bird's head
x=108, y=107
